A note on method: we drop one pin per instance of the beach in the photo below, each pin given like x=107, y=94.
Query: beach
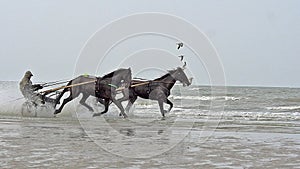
x=256, y=128
x=235, y=143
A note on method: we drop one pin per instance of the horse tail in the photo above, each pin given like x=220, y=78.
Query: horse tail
x=63, y=92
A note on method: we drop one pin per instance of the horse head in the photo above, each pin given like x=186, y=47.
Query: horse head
x=178, y=74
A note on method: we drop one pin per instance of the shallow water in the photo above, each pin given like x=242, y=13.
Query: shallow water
x=253, y=128
x=66, y=143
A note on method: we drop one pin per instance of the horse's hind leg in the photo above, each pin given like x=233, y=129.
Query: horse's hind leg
x=130, y=103
x=63, y=104
x=82, y=102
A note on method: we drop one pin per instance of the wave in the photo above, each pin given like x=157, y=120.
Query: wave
x=284, y=108
x=194, y=89
x=238, y=114
x=205, y=98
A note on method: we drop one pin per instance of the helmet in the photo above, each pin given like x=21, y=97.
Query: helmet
x=28, y=73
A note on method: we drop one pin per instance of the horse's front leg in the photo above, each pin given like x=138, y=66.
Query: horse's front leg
x=83, y=102
x=119, y=105
x=161, y=98
x=126, y=95
x=161, y=107
x=169, y=103
x=106, y=104
x=102, y=101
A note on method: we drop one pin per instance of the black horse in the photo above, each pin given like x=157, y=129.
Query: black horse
x=106, y=89
x=157, y=89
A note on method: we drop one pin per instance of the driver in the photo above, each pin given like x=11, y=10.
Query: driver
x=28, y=90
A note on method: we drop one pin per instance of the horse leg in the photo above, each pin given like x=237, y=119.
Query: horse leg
x=123, y=99
x=130, y=103
x=62, y=93
x=126, y=95
x=169, y=103
x=119, y=105
x=161, y=106
x=63, y=104
x=102, y=101
x=106, y=104
x=82, y=102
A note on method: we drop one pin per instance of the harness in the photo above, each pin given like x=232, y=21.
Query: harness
x=151, y=85
x=148, y=88
x=98, y=87
x=112, y=85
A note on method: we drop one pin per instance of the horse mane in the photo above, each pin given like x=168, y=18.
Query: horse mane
x=160, y=78
x=111, y=74
x=167, y=74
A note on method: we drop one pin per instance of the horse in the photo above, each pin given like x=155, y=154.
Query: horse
x=107, y=88
x=157, y=89
x=112, y=80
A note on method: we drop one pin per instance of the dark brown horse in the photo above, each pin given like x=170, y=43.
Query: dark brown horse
x=106, y=84
x=157, y=89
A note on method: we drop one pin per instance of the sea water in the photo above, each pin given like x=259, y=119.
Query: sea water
x=236, y=127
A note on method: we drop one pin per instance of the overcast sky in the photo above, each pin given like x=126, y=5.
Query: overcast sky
x=257, y=40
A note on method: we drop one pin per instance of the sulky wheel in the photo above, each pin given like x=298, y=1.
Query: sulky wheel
x=28, y=109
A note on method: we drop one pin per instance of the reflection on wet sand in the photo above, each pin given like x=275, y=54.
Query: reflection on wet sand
x=127, y=132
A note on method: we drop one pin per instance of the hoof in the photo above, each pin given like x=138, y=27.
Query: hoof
x=163, y=113
x=163, y=118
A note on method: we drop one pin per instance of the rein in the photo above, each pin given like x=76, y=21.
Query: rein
x=144, y=83
x=69, y=86
x=54, y=83
x=93, y=81
x=140, y=84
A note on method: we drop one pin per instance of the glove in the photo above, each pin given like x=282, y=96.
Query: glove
x=37, y=87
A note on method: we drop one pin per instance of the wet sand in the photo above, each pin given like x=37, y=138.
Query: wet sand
x=113, y=142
